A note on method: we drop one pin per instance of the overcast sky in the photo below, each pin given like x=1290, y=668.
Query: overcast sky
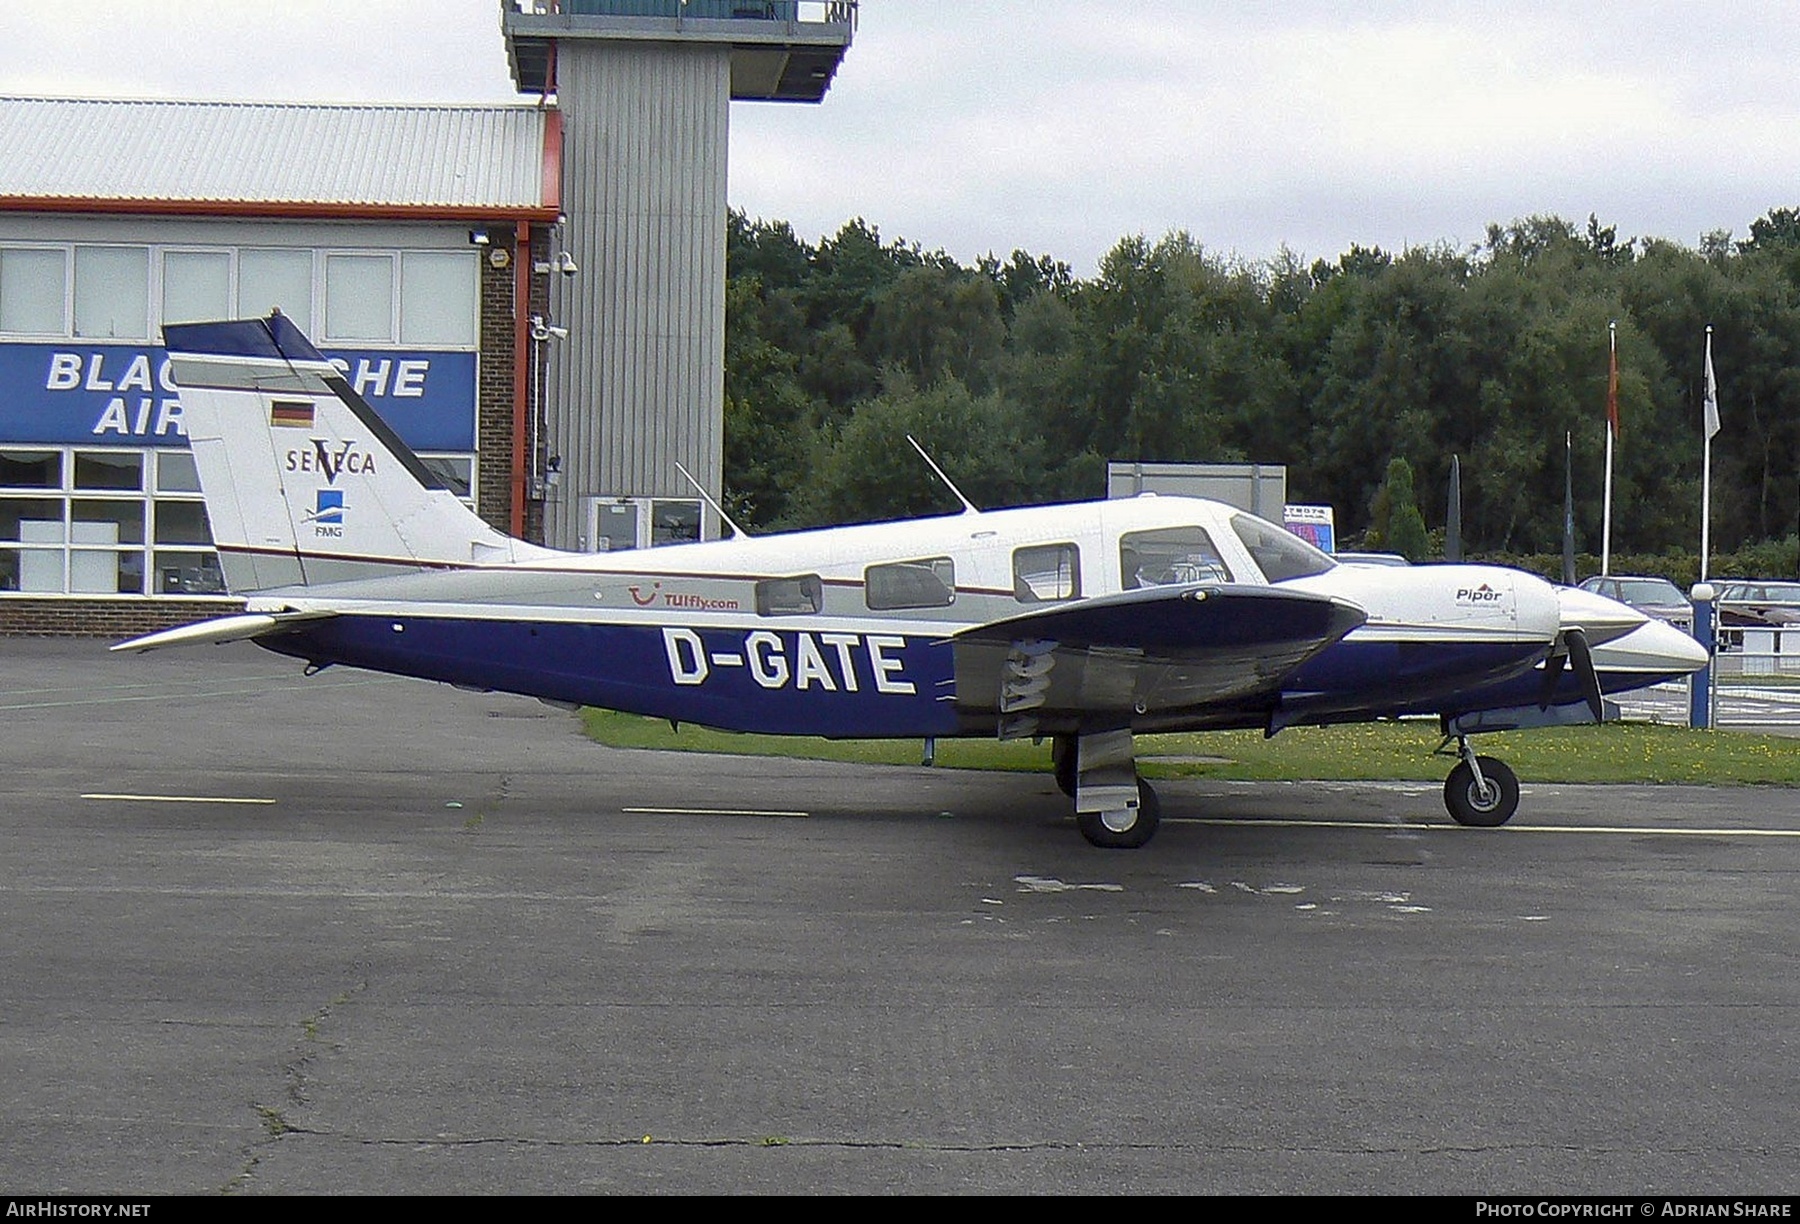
x=1060, y=127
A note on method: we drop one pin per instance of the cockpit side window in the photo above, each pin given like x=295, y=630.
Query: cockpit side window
x=1278, y=553
x=1168, y=556
x=1046, y=572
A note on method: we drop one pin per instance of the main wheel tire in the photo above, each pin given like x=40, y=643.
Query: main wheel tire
x=1063, y=761
x=1470, y=805
x=1100, y=828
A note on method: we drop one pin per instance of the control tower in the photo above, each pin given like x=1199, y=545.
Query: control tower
x=637, y=384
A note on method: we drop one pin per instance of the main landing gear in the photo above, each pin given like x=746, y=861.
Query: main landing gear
x=1481, y=791
x=1114, y=808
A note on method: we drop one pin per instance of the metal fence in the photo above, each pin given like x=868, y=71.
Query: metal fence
x=1756, y=676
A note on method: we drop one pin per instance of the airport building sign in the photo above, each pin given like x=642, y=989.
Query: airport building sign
x=123, y=395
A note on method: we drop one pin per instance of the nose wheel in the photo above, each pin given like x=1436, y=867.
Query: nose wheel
x=1481, y=792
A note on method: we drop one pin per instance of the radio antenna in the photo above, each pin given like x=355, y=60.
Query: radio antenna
x=737, y=533
x=969, y=507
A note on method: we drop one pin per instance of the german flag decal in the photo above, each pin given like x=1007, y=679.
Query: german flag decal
x=295, y=414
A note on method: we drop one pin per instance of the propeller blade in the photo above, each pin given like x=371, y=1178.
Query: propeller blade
x=1553, y=668
x=1581, y=659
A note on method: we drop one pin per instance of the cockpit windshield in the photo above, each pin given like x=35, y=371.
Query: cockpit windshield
x=1278, y=553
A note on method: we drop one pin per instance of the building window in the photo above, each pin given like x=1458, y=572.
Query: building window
x=455, y=472
x=104, y=522
x=438, y=298
x=423, y=299
x=112, y=293
x=273, y=279
x=359, y=297
x=33, y=287
x=196, y=286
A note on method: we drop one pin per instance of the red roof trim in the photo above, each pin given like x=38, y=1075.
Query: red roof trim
x=285, y=209
x=551, y=193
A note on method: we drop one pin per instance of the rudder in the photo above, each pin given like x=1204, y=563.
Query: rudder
x=304, y=482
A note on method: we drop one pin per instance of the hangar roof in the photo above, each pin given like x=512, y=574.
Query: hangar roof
x=280, y=159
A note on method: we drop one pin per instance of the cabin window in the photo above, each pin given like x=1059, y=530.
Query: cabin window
x=800, y=596
x=1169, y=556
x=1278, y=553
x=1046, y=572
x=929, y=583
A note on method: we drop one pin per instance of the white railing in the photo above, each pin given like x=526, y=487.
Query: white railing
x=1749, y=651
x=792, y=12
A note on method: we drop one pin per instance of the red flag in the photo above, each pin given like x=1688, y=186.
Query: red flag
x=1612, y=386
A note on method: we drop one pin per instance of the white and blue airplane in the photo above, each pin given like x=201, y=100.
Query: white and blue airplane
x=1085, y=625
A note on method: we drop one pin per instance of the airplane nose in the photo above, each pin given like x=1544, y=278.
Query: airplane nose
x=1652, y=649
x=1599, y=618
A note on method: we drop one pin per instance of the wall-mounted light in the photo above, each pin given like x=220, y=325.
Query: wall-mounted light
x=564, y=263
x=478, y=237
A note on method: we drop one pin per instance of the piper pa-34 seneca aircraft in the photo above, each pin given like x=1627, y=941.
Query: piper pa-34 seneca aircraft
x=1085, y=625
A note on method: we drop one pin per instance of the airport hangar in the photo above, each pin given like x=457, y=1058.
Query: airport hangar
x=532, y=294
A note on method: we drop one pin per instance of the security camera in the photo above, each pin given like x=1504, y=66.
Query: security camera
x=542, y=330
x=564, y=263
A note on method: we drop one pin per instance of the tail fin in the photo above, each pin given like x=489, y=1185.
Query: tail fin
x=304, y=482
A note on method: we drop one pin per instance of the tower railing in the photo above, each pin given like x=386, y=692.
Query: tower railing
x=787, y=12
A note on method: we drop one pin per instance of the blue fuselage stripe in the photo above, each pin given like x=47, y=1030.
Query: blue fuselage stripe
x=783, y=682
x=849, y=684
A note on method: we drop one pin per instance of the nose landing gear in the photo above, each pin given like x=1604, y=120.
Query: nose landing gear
x=1481, y=792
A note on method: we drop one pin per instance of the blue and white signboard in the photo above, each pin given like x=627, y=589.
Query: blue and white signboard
x=1314, y=524
x=125, y=395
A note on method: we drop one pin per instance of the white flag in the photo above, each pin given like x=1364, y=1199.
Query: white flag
x=1712, y=392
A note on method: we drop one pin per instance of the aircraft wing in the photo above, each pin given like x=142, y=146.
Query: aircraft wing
x=219, y=630
x=1142, y=655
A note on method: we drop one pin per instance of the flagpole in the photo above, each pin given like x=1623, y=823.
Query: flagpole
x=1708, y=428
x=1612, y=427
x=1568, y=508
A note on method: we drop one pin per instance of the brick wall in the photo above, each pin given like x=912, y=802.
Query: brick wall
x=495, y=395
x=74, y=616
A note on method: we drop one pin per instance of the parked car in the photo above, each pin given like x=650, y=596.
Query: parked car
x=1759, y=603
x=1371, y=558
x=1657, y=597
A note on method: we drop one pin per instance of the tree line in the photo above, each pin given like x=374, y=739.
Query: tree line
x=1023, y=381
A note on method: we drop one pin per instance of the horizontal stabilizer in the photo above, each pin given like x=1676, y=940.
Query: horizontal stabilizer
x=219, y=630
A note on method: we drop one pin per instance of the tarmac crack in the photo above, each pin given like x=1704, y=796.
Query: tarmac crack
x=275, y=1120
